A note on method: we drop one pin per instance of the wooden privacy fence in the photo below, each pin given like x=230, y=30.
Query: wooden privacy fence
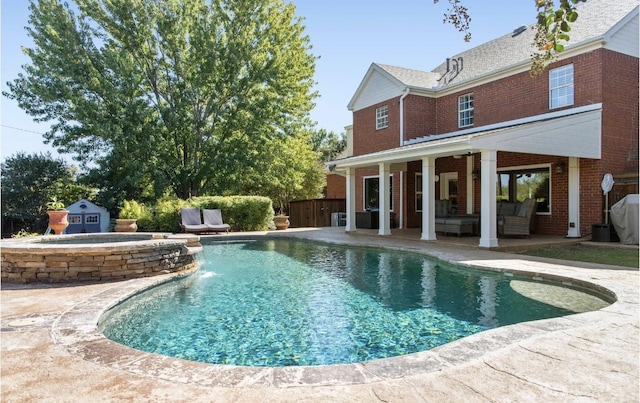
x=315, y=213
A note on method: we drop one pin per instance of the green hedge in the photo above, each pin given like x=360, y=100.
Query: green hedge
x=242, y=213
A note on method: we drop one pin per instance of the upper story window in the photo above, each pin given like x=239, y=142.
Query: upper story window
x=561, y=86
x=382, y=117
x=465, y=110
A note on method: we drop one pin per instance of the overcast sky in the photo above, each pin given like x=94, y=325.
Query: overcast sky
x=347, y=35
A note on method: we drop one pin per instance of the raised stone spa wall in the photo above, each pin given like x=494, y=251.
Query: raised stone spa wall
x=96, y=257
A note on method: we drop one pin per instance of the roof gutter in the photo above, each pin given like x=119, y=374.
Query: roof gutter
x=406, y=92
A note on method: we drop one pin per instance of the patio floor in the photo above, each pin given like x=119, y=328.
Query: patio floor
x=51, y=351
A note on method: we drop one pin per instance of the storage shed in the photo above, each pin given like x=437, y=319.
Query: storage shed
x=85, y=216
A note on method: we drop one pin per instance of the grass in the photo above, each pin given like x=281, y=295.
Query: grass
x=627, y=257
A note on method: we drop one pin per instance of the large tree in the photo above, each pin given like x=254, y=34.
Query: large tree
x=190, y=90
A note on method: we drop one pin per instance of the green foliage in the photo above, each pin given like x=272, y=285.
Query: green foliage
x=291, y=172
x=29, y=182
x=166, y=214
x=172, y=94
x=327, y=144
x=242, y=213
x=553, y=25
x=22, y=234
x=55, y=204
x=132, y=209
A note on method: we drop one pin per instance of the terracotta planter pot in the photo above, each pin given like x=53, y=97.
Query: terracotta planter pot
x=281, y=221
x=58, y=220
x=126, y=225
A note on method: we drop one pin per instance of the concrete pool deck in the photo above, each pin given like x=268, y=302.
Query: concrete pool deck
x=51, y=350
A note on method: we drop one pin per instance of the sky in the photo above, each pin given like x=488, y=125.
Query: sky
x=346, y=35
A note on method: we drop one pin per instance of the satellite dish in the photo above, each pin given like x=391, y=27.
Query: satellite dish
x=607, y=183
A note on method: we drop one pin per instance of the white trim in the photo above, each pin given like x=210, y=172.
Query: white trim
x=521, y=135
x=445, y=177
x=406, y=92
x=415, y=193
x=401, y=207
x=470, y=181
x=364, y=207
x=469, y=100
x=548, y=166
x=382, y=120
x=561, y=71
x=574, y=198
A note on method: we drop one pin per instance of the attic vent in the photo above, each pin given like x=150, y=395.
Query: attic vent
x=518, y=31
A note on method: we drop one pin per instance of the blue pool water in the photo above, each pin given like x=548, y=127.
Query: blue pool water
x=283, y=302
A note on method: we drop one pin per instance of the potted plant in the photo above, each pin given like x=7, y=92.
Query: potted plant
x=58, y=214
x=128, y=217
x=281, y=220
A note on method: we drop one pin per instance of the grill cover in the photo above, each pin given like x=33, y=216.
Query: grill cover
x=624, y=217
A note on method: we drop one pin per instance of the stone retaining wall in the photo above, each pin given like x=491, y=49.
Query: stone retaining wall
x=59, y=259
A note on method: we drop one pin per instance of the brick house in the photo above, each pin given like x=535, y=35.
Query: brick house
x=479, y=128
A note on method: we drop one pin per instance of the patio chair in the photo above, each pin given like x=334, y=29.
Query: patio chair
x=521, y=222
x=191, y=221
x=213, y=220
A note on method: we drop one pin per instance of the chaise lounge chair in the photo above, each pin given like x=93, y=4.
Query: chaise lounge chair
x=191, y=221
x=213, y=221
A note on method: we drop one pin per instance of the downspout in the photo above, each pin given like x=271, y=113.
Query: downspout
x=401, y=212
x=406, y=92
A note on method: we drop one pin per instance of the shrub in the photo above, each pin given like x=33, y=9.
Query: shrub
x=166, y=217
x=242, y=213
x=132, y=209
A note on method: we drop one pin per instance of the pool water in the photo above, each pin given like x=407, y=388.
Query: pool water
x=284, y=302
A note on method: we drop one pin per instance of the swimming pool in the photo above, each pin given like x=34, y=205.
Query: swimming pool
x=284, y=302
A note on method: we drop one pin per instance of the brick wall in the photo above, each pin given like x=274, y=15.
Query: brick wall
x=366, y=139
x=336, y=187
x=600, y=76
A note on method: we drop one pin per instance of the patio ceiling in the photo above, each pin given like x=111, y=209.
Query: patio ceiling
x=572, y=132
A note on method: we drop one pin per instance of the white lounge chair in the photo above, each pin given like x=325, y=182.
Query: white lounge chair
x=213, y=220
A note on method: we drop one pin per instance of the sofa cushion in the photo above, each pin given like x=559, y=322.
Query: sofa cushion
x=507, y=208
x=442, y=208
x=523, y=208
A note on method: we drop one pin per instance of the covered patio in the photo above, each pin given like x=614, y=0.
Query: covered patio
x=572, y=133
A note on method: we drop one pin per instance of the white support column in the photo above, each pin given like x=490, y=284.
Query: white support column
x=351, y=200
x=488, y=226
x=470, y=192
x=574, y=198
x=400, y=208
x=384, y=189
x=428, y=199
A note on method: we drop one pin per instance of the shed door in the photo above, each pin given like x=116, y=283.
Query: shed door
x=92, y=223
x=75, y=224
x=83, y=222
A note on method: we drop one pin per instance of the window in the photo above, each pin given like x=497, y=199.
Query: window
x=382, y=117
x=371, y=193
x=561, y=86
x=418, y=192
x=74, y=219
x=465, y=110
x=520, y=184
x=92, y=219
